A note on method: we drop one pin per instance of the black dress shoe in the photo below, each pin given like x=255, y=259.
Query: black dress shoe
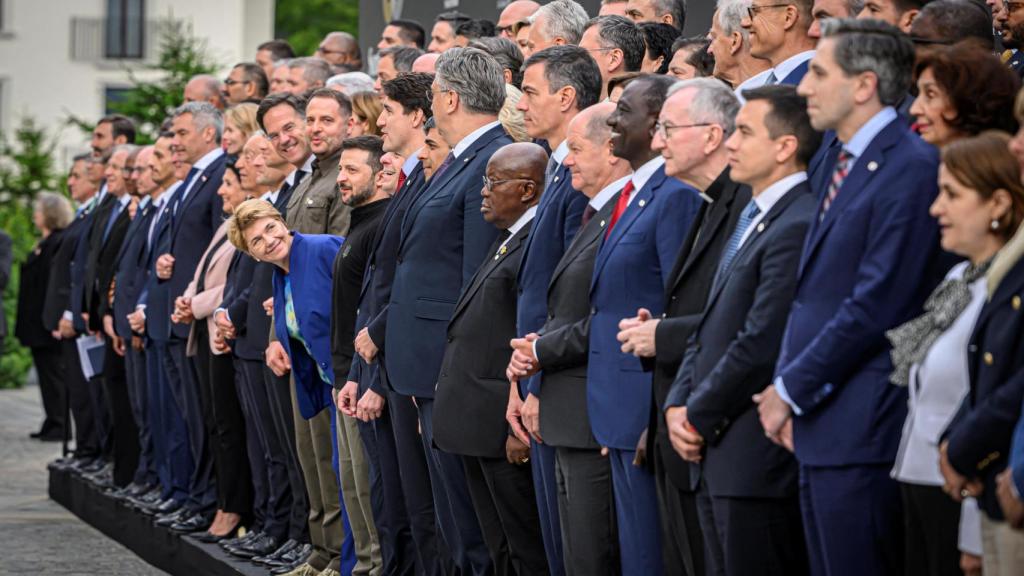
x=93, y=467
x=167, y=520
x=197, y=523
x=148, y=499
x=51, y=436
x=235, y=542
x=169, y=505
x=258, y=547
x=296, y=555
x=274, y=558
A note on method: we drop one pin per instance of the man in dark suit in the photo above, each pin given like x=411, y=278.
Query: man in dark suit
x=406, y=524
x=444, y=240
x=697, y=156
x=855, y=281
x=194, y=213
x=583, y=475
x=778, y=34
x=558, y=83
x=472, y=378
x=732, y=350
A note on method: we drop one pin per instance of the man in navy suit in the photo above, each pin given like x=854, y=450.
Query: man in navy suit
x=778, y=34
x=645, y=231
x=558, y=83
x=444, y=241
x=194, y=213
x=732, y=351
x=865, y=269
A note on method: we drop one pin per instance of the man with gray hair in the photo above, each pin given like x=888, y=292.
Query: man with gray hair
x=306, y=74
x=351, y=82
x=560, y=22
x=617, y=44
x=824, y=9
x=444, y=241
x=205, y=88
x=730, y=45
x=672, y=12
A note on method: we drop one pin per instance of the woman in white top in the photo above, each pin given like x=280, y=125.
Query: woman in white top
x=930, y=352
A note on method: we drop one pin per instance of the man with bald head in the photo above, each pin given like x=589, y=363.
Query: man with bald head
x=205, y=88
x=514, y=12
x=470, y=384
x=425, y=63
x=340, y=48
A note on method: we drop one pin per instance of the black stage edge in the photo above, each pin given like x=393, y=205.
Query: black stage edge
x=170, y=552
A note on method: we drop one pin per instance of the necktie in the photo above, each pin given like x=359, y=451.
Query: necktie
x=505, y=235
x=444, y=165
x=620, y=207
x=748, y=215
x=401, y=180
x=839, y=175
x=152, y=223
x=299, y=175
x=588, y=213
x=772, y=79
x=182, y=190
x=549, y=172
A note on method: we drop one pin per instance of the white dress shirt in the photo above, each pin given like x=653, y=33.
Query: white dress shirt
x=473, y=136
x=200, y=165
x=643, y=174
x=768, y=198
x=606, y=193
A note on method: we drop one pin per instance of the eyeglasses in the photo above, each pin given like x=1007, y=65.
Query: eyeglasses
x=229, y=82
x=664, y=129
x=754, y=9
x=490, y=184
x=431, y=92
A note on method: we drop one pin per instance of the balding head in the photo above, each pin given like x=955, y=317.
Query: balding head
x=425, y=63
x=513, y=13
x=340, y=48
x=515, y=175
x=590, y=160
x=204, y=88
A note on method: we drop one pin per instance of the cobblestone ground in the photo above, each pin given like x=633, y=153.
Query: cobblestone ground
x=37, y=535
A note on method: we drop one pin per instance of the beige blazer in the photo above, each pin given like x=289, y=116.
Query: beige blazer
x=206, y=302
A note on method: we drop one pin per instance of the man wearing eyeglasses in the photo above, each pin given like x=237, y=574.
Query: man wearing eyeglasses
x=340, y=48
x=616, y=44
x=246, y=83
x=778, y=33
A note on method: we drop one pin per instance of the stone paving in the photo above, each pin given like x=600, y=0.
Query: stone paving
x=37, y=535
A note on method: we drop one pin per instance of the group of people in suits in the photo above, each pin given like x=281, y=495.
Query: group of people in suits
x=765, y=322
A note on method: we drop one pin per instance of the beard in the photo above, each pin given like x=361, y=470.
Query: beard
x=358, y=197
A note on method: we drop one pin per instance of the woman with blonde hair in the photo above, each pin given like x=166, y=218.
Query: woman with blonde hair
x=239, y=124
x=366, y=108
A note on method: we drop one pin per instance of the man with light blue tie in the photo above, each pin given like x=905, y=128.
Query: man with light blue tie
x=866, y=267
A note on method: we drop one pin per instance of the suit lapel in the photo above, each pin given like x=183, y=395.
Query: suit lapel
x=718, y=215
x=585, y=237
x=201, y=180
x=629, y=217
x=490, y=265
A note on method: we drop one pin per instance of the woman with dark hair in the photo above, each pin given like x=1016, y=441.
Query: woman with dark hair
x=659, y=39
x=951, y=104
x=979, y=206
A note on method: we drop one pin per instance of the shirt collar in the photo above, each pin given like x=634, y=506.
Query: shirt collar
x=561, y=152
x=606, y=193
x=755, y=81
x=124, y=200
x=271, y=196
x=144, y=201
x=410, y=163
x=644, y=173
x=866, y=134
x=208, y=159
x=772, y=194
x=290, y=178
x=307, y=166
x=522, y=221
x=472, y=137
x=791, y=63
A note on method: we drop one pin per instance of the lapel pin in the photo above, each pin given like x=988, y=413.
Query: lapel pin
x=204, y=178
x=872, y=166
x=309, y=201
x=642, y=203
x=602, y=223
x=465, y=160
x=760, y=226
x=556, y=178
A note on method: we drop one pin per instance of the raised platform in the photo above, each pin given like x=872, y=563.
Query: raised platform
x=170, y=552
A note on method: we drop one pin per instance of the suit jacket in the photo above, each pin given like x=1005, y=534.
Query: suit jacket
x=102, y=259
x=315, y=207
x=59, y=285
x=1017, y=455
x=981, y=434
x=32, y=289
x=82, y=274
x=732, y=352
x=131, y=271
x=156, y=293
x=309, y=267
x=6, y=258
x=375, y=294
x=237, y=291
x=472, y=390
x=632, y=271
x=562, y=348
x=796, y=75
x=208, y=296
x=444, y=240
x=685, y=297
x=559, y=215
x=864, y=270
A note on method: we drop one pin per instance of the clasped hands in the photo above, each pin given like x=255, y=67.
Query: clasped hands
x=367, y=408
x=182, y=311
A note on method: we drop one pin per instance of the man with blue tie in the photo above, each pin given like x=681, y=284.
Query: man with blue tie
x=865, y=269
x=749, y=511
x=778, y=34
x=444, y=241
x=558, y=83
x=193, y=214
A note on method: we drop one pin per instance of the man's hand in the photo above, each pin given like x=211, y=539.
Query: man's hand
x=637, y=334
x=138, y=343
x=118, y=343
x=513, y=414
x=640, y=456
x=137, y=321
x=956, y=486
x=268, y=306
x=227, y=329
x=517, y=451
x=773, y=410
x=530, y=414
x=970, y=564
x=370, y=406
x=346, y=398
x=277, y=359
x=1012, y=507
x=108, y=326
x=66, y=328
x=785, y=436
x=182, y=311
x=365, y=346
x=220, y=344
x=686, y=441
x=165, y=266
x=523, y=363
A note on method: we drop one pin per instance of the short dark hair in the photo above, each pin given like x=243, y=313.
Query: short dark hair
x=675, y=7
x=657, y=93
x=120, y=125
x=453, y=17
x=231, y=164
x=274, y=100
x=279, y=49
x=476, y=28
x=402, y=56
x=84, y=157
x=506, y=52
x=410, y=31
x=254, y=73
x=343, y=101
x=622, y=33
x=570, y=66
x=699, y=56
x=372, y=145
x=429, y=125
x=904, y=5
x=788, y=117
x=952, y=21
x=622, y=80
x=659, y=38
x=410, y=90
x=877, y=47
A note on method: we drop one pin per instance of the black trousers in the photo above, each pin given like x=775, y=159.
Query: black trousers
x=932, y=531
x=184, y=384
x=49, y=363
x=682, y=545
x=87, y=443
x=506, y=506
x=586, y=509
x=138, y=394
x=225, y=426
x=124, y=434
x=280, y=399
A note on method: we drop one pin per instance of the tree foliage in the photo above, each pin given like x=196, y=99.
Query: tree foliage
x=304, y=23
